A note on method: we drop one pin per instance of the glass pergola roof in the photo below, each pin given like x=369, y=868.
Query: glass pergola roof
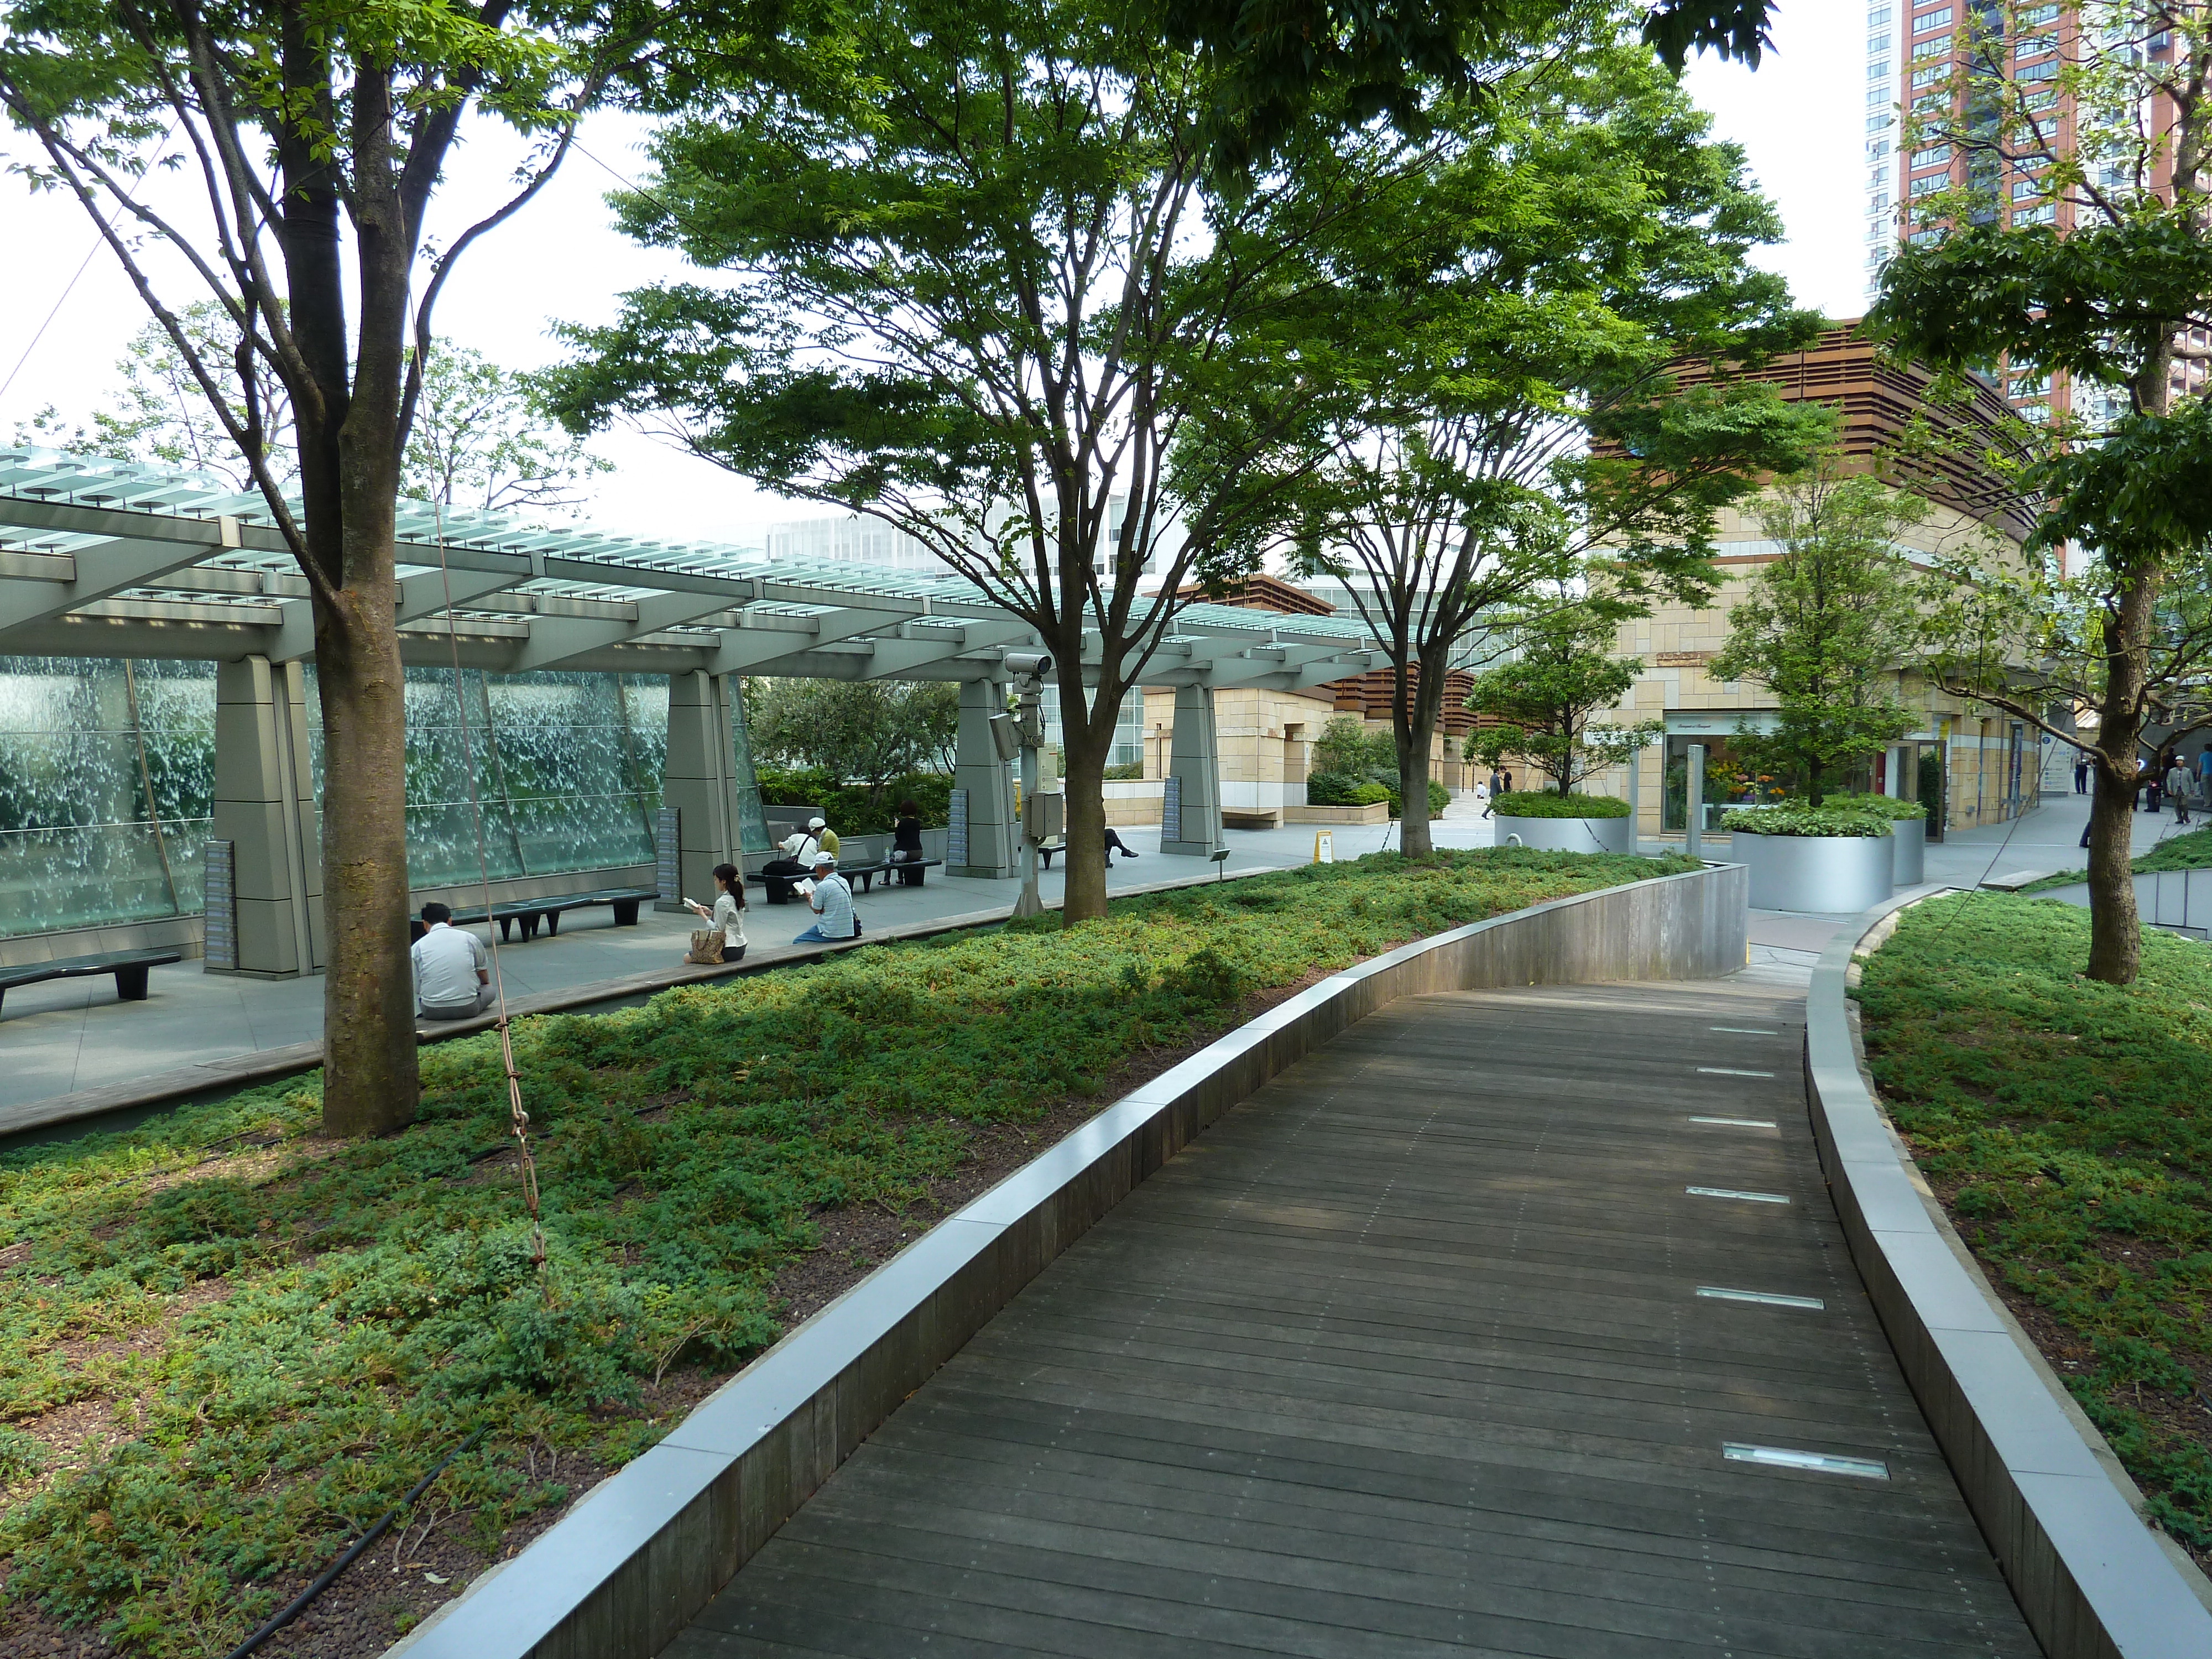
x=99, y=514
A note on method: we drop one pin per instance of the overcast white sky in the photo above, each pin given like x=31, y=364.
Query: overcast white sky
x=1798, y=119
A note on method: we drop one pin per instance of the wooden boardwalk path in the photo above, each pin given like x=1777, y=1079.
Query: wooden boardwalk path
x=1412, y=1354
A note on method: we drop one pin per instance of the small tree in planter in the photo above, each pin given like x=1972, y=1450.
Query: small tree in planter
x=1548, y=698
x=1824, y=622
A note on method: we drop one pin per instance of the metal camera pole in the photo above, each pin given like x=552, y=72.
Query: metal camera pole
x=1040, y=812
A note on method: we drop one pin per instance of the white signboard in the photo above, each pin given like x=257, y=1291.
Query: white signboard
x=1324, y=849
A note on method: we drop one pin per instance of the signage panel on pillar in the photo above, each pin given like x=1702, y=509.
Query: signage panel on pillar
x=956, y=837
x=1171, y=808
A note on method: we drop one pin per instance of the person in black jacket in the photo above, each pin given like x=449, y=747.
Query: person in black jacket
x=906, y=840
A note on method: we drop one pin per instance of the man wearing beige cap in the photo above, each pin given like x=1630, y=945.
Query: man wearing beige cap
x=831, y=898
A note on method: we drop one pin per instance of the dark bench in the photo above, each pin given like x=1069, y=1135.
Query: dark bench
x=531, y=912
x=129, y=967
x=865, y=874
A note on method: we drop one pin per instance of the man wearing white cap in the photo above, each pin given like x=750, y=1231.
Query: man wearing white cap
x=824, y=838
x=831, y=900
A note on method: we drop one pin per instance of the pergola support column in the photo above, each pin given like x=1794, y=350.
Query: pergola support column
x=1191, y=823
x=265, y=807
x=989, y=787
x=709, y=781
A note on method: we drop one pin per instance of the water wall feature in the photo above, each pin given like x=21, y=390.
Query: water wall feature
x=106, y=769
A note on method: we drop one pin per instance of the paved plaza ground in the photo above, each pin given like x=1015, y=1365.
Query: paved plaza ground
x=71, y=1035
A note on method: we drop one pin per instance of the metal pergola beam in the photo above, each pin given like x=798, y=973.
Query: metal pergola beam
x=91, y=529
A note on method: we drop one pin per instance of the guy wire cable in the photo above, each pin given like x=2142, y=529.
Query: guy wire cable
x=518, y=1118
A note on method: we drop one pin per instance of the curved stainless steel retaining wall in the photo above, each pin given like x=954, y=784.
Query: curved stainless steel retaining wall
x=2093, y=1580
x=626, y=1569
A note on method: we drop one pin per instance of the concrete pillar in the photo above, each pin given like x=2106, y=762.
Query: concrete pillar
x=983, y=799
x=265, y=807
x=709, y=781
x=1191, y=817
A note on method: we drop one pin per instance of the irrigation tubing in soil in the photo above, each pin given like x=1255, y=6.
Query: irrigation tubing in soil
x=298, y=1605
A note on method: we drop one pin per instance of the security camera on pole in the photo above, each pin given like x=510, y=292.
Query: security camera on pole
x=1040, y=813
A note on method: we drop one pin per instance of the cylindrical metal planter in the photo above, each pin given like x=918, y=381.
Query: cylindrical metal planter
x=1833, y=873
x=1909, y=839
x=1570, y=834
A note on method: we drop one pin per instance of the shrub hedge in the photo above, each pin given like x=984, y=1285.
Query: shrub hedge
x=287, y=1334
x=2068, y=1125
x=1543, y=804
x=1793, y=819
x=1880, y=806
x=854, y=808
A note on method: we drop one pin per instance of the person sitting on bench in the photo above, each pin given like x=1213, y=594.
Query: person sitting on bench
x=798, y=850
x=1116, y=844
x=452, y=980
x=906, y=840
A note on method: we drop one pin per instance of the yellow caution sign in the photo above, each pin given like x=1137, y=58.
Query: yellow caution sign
x=1324, y=848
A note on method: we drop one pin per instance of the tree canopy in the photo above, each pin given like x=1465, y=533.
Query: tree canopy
x=2118, y=305
x=1500, y=401
x=1826, y=623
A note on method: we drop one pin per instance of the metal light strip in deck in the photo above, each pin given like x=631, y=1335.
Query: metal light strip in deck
x=1730, y=1192
x=1743, y=1031
x=1737, y=1122
x=1730, y=1071
x=1781, y=1457
x=1764, y=1299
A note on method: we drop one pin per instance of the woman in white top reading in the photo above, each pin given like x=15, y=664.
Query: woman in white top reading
x=728, y=913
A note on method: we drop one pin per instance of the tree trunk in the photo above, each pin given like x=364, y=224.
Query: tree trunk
x=1414, y=837
x=1086, y=741
x=2115, y=927
x=370, y=1085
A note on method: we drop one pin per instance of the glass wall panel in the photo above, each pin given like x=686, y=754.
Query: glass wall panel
x=107, y=775
x=105, y=772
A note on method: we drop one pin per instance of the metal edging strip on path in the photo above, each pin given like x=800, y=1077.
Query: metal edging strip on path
x=625, y=1570
x=2093, y=1581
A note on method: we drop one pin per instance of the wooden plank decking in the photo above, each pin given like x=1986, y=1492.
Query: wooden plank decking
x=1406, y=1356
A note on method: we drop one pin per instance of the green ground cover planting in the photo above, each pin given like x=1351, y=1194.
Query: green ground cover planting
x=270, y=1336
x=2192, y=850
x=2069, y=1126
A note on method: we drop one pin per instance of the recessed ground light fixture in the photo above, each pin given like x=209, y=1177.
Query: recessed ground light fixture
x=1764, y=1299
x=1781, y=1457
x=1743, y=1031
x=1730, y=1192
x=1737, y=1122
x=1729, y=1071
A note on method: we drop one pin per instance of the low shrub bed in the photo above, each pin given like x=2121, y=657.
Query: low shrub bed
x=1879, y=807
x=2191, y=851
x=226, y=1346
x=2067, y=1125
x=1792, y=819
x=1543, y=804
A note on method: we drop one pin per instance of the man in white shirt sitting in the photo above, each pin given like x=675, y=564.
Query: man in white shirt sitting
x=453, y=980
x=832, y=902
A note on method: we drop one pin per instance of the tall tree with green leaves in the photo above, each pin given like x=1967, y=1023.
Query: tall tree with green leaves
x=314, y=135
x=1828, y=624
x=1566, y=671
x=1501, y=408
x=479, y=439
x=989, y=288
x=2120, y=304
x=866, y=731
x=1280, y=60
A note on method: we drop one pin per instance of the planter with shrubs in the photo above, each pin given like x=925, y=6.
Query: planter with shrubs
x=1809, y=858
x=1563, y=823
x=1351, y=789
x=1908, y=831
